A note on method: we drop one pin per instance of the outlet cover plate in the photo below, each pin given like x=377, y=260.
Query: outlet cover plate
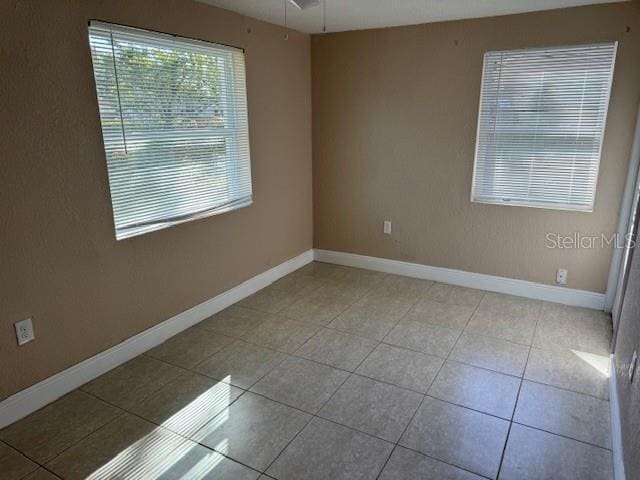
x=561, y=276
x=24, y=331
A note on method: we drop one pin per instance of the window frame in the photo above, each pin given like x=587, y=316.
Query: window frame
x=533, y=204
x=228, y=131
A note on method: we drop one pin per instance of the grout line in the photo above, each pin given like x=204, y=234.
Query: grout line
x=515, y=405
x=463, y=332
x=316, y=415
x=437, y=460
x=57, y=455
x=404, y=431
x=319, y=409
x=173, y=432
x=359, y=431
x=561, y=435
x=367, y=291
x=351, y=373
x=521, y=378
x=118, y=415
x=333, y=394
x=320, y=327
x=524, y=379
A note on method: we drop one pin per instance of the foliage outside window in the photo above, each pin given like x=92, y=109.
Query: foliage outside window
x=174, y=124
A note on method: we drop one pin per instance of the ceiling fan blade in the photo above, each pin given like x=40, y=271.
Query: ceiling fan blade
x=304, y=4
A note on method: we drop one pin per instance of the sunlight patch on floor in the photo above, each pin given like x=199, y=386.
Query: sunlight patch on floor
x=161, y=451
x=598, y=362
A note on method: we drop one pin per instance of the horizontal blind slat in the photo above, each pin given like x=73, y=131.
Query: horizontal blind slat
x=175, y=126
x=541, y=120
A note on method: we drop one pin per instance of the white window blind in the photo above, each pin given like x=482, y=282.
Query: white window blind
x=174, y=123
x=540, y=126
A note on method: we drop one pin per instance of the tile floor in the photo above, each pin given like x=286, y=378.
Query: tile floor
x=339, y=373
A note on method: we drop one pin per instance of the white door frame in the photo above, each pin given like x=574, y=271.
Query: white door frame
x=626, y=227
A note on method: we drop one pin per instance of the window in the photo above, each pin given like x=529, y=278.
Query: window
x=174, y=124
x=540, y=126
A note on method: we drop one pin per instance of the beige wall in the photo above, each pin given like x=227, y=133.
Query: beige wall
x=59, y=260
x=394, y=124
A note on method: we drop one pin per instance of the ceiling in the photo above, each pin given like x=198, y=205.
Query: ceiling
x=361, y=14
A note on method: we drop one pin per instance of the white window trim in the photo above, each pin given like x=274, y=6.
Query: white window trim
x=227, y=131
x=544, y=206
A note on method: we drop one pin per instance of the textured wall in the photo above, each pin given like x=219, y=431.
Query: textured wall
x=628, y=340
x=394, y=127
x=59, y=260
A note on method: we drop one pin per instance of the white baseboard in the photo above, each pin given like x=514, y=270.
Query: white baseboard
x=616, y=429
x=512, y=286
x=42, y=393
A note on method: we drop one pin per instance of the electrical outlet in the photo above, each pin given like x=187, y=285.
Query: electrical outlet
x=24, y=331
x=387, y=227
x=632, y=365
x=561, y=276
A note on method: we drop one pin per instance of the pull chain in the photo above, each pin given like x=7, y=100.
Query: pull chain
x=324, y=21
x=286, y=34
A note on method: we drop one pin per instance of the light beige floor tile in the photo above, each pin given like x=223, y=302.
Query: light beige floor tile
x=372, y=323
x=187, y=403
x=564, y=327
x=321, y=270
x=47, y=432
x=298, y=283
x=190, y=347
x=317, y=308
x=241, y=364
x=337, y=349
x=406, y=464
x=402, y=367
x=510, y=303
x=326, y=451
x=280, y=333
x=383, y=304
x=122, y=446
x=234, y=321
x=401, y=288
x=506, y=317
x=376, y=408
x=41, y=474
x=301, y=384
x=535, y=455
x=508, y=307
x=576, y=371
x=349, y=292
x=129, y=384
x=132, y=448
x=491, y=353
x=198, y=462
x=357, y=276
x=476, y=388
x=442, y=314
x=454, y=295
x=14, y=465
x=253, y=430
x=457, y=435
x=86, y=438
x=270, y=300
x=566, y=413
x=426, y=338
